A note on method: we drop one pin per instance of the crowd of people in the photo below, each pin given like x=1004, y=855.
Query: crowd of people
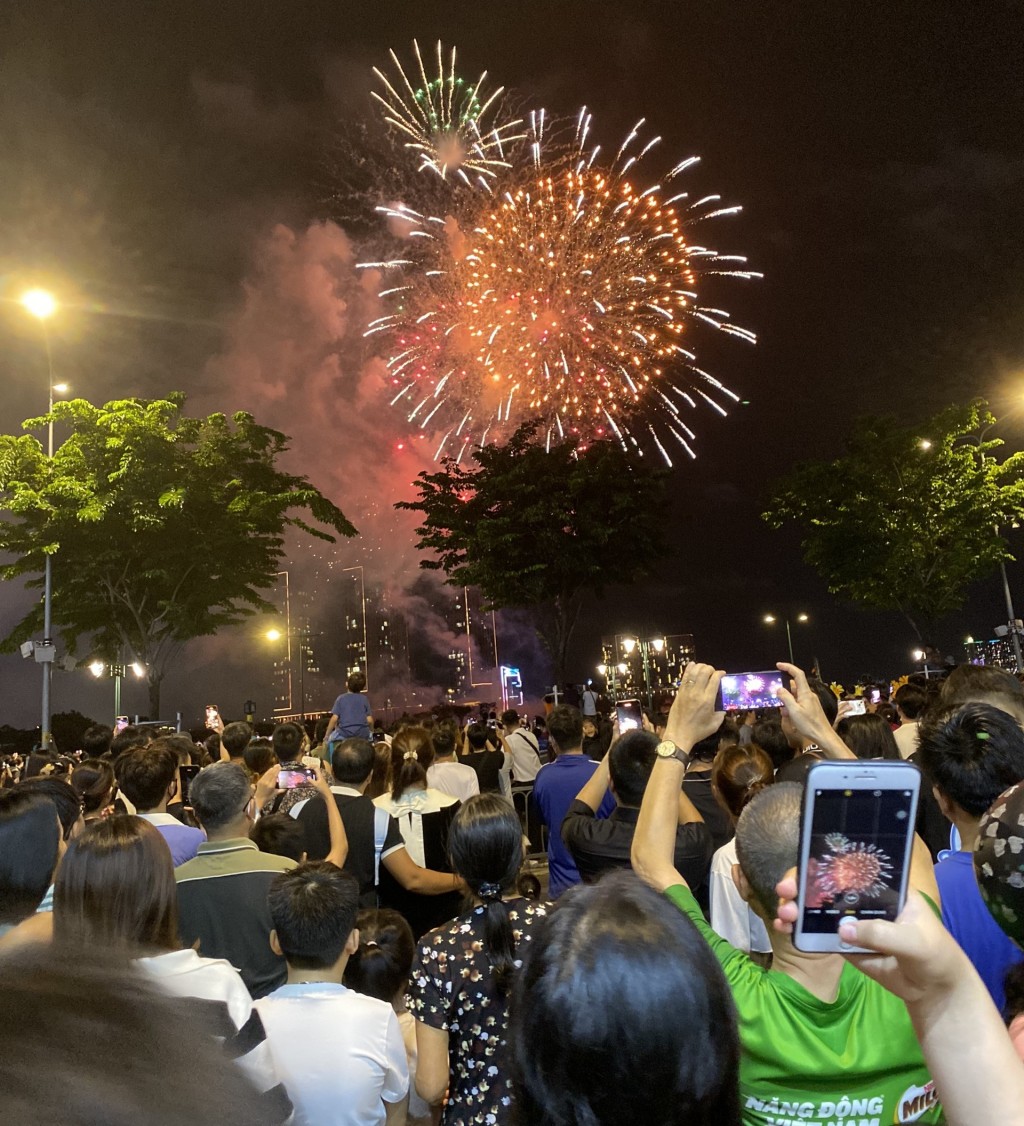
x=351, y=925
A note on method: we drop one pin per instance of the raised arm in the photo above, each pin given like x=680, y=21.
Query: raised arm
x=807, y=715
x=594, y=791
x=335, y=825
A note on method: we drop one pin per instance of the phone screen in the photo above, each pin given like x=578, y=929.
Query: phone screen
x=855, y=848
x=746, y=691
x=856, y=707
x=629, y=715
x=289, y=779
x=185, y=776
x=876, y=695
x=120, y=724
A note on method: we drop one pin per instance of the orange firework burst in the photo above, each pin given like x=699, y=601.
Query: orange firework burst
x=568, y=294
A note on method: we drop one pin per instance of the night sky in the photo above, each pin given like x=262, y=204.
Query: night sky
x=168, y=169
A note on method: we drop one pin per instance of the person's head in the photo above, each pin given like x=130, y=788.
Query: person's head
x=445, y=737
x=89, y=1039
x=352, y=762
x=64, y=799
x=412, y=754
x=380, y=776
x=630, y=762
x=235, y=738
x=356, y=682
x=707, y=748
x=768, y=844
x=221, y=795
x=287, y=740
x=128, y=737
x=999, y=864
x=981, y=684
x=259, y=756
x=510, y=719
x=740, y=772
x=30, y=843
x=382, y=962
x=280, y=834
x=972, y=754
x=93, y=782
x=910, y=701
x=485, y=846
x=96, y=740
x=605, y=977
x=868, y=736
x=313, y=908
x=148, y=776
x=589, y=727
x=829, y=705
x=565, y=728
x=769, y=736
x=478, y=736
x=115, y=889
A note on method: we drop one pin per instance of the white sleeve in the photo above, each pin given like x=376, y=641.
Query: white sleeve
x=730, y=917
x=396, y=1078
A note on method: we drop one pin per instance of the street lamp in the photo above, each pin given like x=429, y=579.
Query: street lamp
x=117, y=671
x=646, y=646
x=771, y=619
x=274, y=634
x=42, y=305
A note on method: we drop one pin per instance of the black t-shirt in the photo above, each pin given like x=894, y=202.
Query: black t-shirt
x=357, y=813
x=697, y=787
x=487, y=765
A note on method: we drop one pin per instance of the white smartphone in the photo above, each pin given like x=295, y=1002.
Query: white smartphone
x=856, y=839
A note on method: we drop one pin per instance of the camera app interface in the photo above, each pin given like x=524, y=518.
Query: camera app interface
x=857, y=856
x=748, y=691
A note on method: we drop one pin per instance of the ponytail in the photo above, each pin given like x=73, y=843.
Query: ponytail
x=739, y=773
x=412, y=754
x=499, y=940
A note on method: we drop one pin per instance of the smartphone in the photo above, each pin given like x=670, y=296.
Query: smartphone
x=185, y=776
x=747, y=691
x=856, y=707
x=876, y=695
x=856, y=838
x=629, y=714
x=298, y=776
x=120, y=724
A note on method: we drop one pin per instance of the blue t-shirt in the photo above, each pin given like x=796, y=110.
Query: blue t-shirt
x=968, y=920
x=351, y=708
x=554, y=790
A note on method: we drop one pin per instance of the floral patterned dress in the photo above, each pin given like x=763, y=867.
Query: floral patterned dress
x=453, y=989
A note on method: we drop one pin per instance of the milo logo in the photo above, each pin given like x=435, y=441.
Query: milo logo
x=914, y=1102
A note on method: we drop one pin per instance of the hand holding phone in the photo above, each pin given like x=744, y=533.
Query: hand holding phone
x=213, y=720
x=295, y=776
x=856, y=840
x=629, y=715
x=748, y=691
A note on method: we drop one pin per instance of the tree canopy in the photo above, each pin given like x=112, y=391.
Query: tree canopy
x=162, y=527
x=910, y=516
x=538, y=529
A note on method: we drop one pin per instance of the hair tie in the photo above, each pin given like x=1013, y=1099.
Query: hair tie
x=409, y=755
x=490, y=891
x=982, y=735
x=371, y=942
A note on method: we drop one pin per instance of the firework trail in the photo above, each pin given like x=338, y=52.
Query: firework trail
x=562, y=291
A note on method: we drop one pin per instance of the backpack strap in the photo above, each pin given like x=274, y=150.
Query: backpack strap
x=381, y=818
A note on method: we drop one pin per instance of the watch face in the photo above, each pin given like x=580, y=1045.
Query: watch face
x=666, y=749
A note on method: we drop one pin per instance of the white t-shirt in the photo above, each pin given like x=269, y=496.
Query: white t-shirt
x=522, y=746
x=730, y=916
x=907, y=738
x=408, y=811
x=455, y=778
x=339, y=1053
x=419, y=1108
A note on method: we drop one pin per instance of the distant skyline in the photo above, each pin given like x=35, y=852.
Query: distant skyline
x=172, y=172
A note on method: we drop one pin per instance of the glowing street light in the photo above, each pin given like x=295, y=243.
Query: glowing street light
x=925, y=444
x=771, y=619
x=273, y=635
x=97, y=668
x=39, y=303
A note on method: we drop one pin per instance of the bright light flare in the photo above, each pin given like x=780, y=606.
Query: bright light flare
x=97, y=668
x=273, y=635
x=39, y=303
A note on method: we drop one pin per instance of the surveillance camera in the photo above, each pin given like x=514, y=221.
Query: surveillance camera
x=27, y=649
x=1002, y=631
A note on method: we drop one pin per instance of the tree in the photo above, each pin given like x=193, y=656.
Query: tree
x=538, y=530
x=163, y=528
x=910, y=516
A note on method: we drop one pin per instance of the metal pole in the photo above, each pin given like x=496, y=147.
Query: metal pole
x=44, y=727
x=1012, y=618
x=789, y=639
x=117, y=692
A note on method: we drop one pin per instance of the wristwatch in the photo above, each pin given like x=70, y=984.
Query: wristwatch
x=668, y=749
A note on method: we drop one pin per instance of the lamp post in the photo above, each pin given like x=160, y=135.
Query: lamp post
x=645, y=646
x=275, y=634
x=42, y=305
x=771, y=619
x=117, y=671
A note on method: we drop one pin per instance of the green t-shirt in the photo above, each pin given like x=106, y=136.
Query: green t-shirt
x=804, y=1062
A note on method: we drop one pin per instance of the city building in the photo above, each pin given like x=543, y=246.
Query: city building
x=997, y=652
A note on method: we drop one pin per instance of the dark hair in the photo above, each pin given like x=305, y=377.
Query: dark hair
x=910, y=700
x=280, y=834
x=287, y=740
x=412, y=754
x=630, y=762
x=29, y=846
x=260, y=756
x=356, y=682
x=740, y=772
x=565, y=726
x=381, y=965
x=827, y=698
x=235, y=738
x=100, y=1025
x=96, y=740
x=868, y=736
x=606, y=976
x=981, y=684
x=707, y=748
x=352, y=761
x=380, y=775
x=127, y=738
x=485, y=847
x=509, y=718
x=93, y=782
x=211, y=744
x=144, y=774
x=115, y=888
x=64, y=799
x=769, y=736
x=478, y=736
x=973, y=754
x=445, y=737
x=313, y=908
